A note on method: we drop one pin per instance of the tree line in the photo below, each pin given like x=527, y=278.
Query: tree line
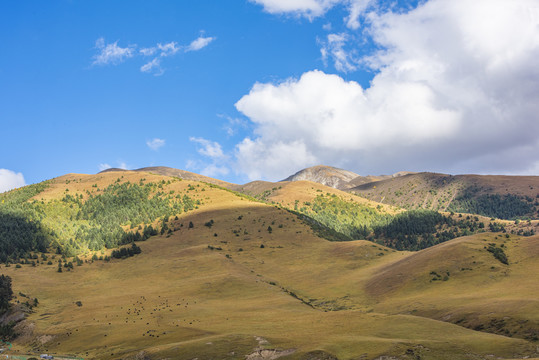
x=71, y=226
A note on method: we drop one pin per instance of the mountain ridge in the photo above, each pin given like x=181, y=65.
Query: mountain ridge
x=169, y=171
x=470, y=193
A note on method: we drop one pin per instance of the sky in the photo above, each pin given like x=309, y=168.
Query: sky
x=245, y=90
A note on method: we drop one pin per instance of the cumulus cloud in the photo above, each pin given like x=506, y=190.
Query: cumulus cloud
x=218, y=160
x=306, y=8
x=315, y=8
x=261, y=159
x=111, y=53
x=10, y=180
x=455, y=90
x=155, y=144
x=199, y=43
x=321, y=118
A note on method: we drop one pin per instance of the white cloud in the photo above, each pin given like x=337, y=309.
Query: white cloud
x=334, y=48
x=104, y=166
x=153, y=66
x=209, y=148
x=456, y=90
x=199, y=43
x=148, y=51
x=112, y=53
x=10, y=180
x=155, y=144
x=233, y=124
x=218, y=164
x=168, y=49
x=307, y=8
x=262, y=159
x=214, y=170
x=315, y=8
x=357, y=8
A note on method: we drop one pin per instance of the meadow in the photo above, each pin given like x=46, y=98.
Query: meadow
x=236, y=278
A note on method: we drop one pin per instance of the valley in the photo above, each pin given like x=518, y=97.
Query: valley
x=246, y=273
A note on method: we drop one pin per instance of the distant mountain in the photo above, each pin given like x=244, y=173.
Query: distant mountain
x=337, y=178
x=325, y=175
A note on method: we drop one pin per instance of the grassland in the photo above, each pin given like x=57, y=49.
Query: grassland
x=230, y=287
x=506, y=197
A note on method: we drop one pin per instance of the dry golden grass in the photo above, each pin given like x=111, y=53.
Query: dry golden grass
x=437, y=191
x=180, y=299
x=304, y=191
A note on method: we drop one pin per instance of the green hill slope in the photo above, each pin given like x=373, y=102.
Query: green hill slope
x=222, y=275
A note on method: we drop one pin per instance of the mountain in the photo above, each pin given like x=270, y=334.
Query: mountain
x=248, y=272
x=337, y=178
x=325, y=175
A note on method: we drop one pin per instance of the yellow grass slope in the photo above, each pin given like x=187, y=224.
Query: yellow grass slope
x=461, y=282
x=436, y=191
x=287, y=193
x=239, y=289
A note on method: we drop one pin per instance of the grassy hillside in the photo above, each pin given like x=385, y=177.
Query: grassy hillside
x=182, y=299
x=352, y=217
x=467, y=283
x=230, y=277
x=503, y=197
x=74, y=214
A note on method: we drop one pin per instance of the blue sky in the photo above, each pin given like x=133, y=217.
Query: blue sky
x=243, y=90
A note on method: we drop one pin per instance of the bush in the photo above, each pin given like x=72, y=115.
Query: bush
x=498, y=253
